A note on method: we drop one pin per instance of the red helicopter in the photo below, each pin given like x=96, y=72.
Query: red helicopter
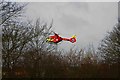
x=56, y=38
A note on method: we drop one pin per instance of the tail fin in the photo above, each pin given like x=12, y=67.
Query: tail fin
x=74, y=36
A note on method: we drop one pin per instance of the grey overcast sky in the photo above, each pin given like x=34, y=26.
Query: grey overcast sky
x=88, y=20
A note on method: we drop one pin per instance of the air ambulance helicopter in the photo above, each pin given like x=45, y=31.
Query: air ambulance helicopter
x=56, y=38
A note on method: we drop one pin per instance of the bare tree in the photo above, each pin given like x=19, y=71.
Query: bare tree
x=38, y=49
x=14, y=38
x=10, y=11
x=23, y=43
x=13, y=33
x=110, y=46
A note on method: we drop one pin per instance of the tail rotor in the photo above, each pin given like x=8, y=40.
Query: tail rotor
x=73, y=39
